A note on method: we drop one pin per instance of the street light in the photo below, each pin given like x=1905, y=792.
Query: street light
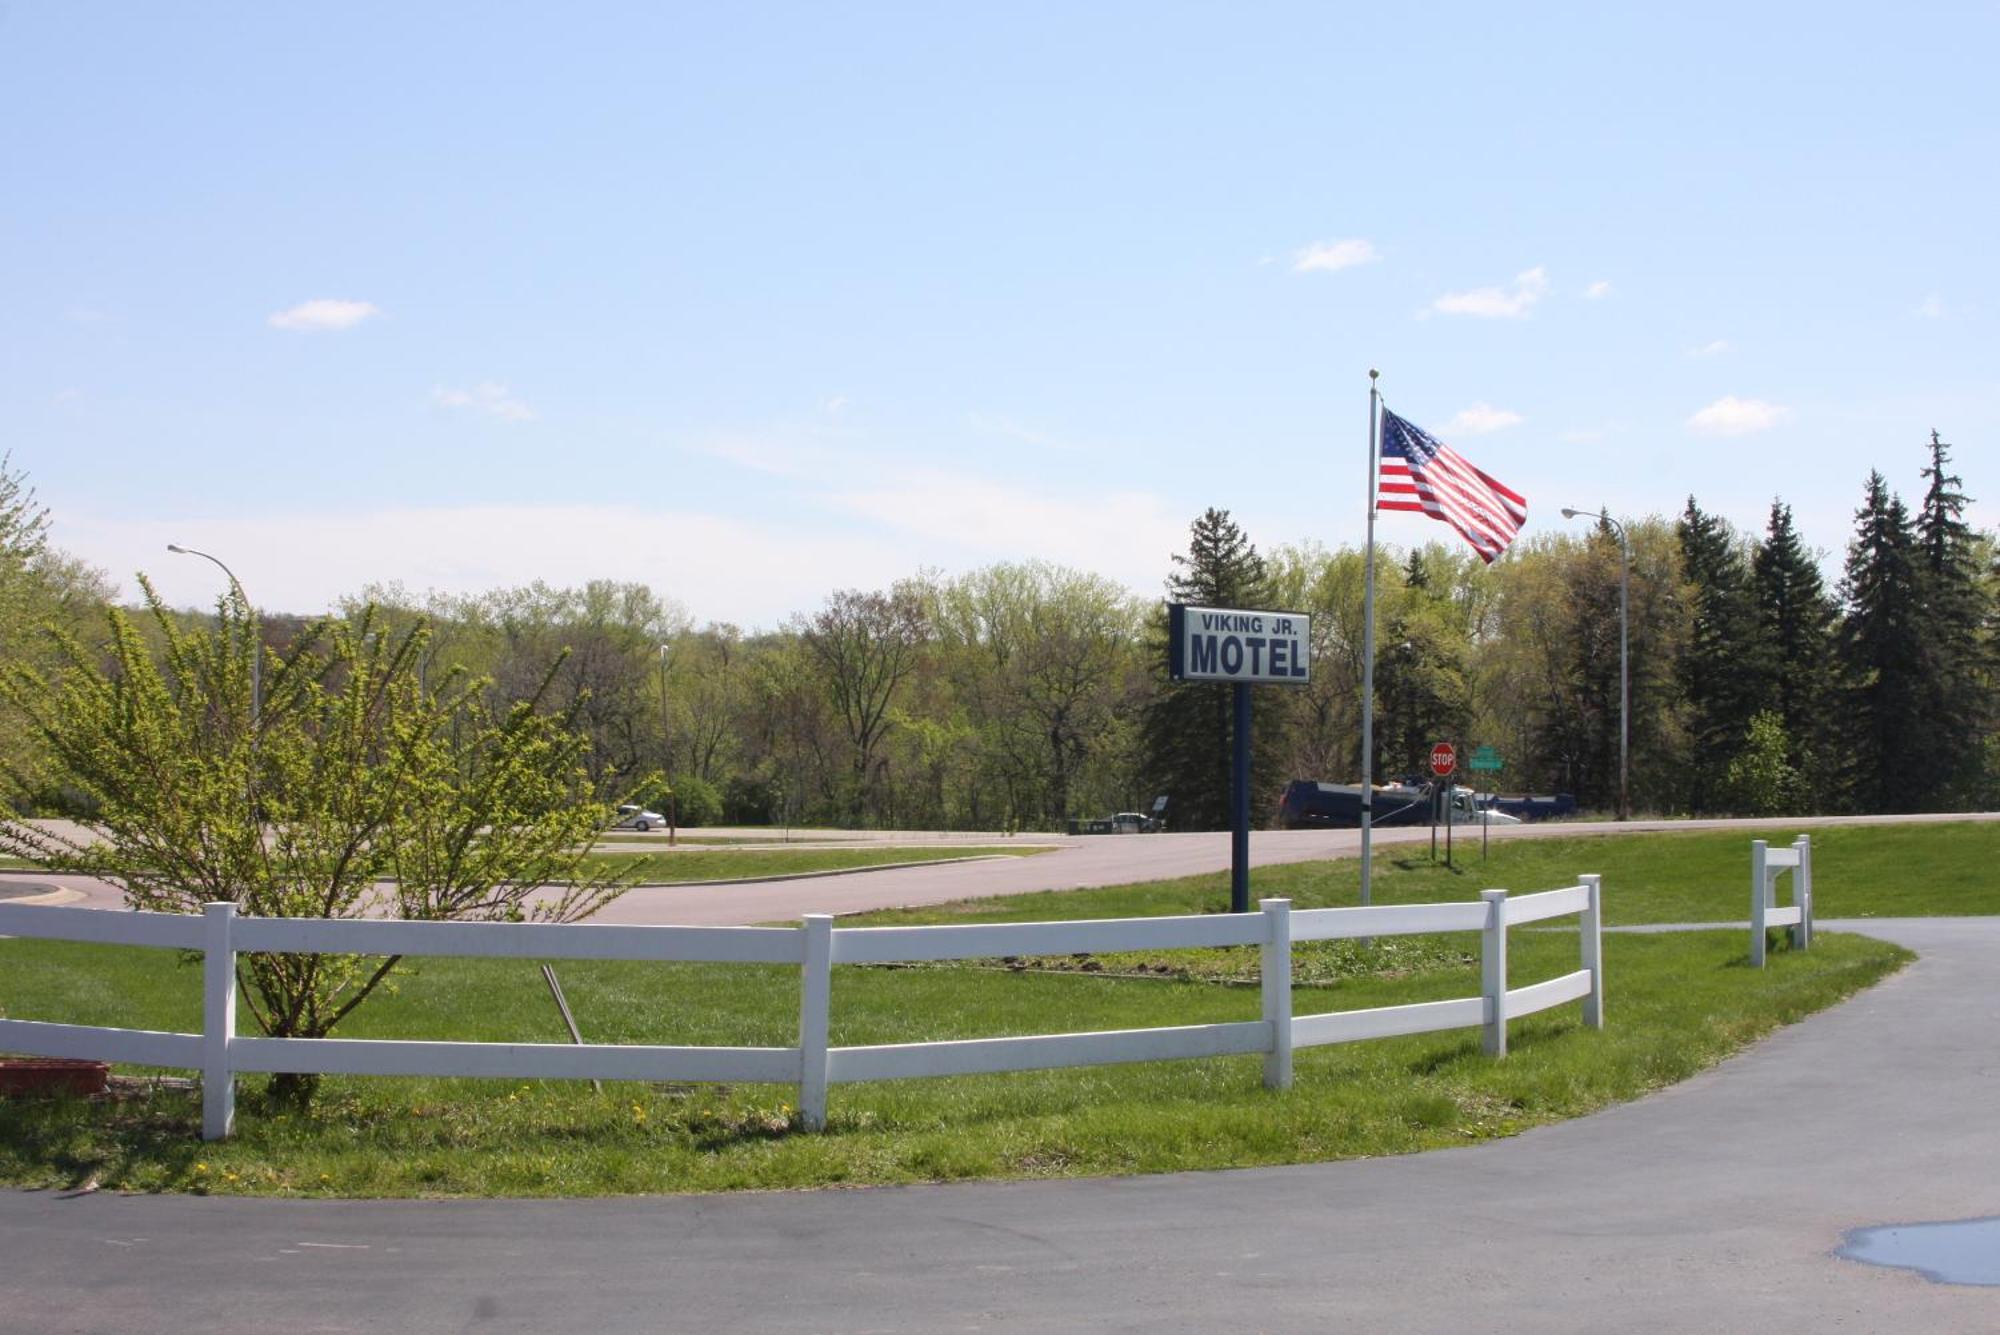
x=1624, y=651
x=256, y=636
x=667, y=749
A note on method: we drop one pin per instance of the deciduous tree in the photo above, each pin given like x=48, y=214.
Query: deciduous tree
x=356, y=788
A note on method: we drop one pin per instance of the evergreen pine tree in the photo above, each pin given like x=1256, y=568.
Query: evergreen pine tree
x=1721, y=679
x=1186, y=725
x=1794, y=620
x=1885, y=763
x=1955, y=706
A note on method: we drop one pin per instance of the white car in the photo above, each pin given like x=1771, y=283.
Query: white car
x=637, y=818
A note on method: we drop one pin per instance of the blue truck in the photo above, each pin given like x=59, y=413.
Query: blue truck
x=1308, y=805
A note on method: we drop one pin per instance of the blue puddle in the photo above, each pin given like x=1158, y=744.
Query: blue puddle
x=1965, y=1251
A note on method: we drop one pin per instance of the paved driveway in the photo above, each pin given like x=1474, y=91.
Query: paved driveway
x=1712, y=1206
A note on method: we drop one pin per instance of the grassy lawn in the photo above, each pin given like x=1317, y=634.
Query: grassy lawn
x=665, y=867
x=1874, y=871
x=1677, y=1003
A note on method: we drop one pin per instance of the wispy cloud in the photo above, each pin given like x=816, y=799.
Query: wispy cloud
x=1120, y=532
x=491, y=399
x=1332, y=256
x=1481, y=418
x=1713, y=349
x=1498, y=303
x=1932, y=307
x=1010, y=429
x=1731, y=416
x=1598, y=290
x=727, y=568
x=324, y=313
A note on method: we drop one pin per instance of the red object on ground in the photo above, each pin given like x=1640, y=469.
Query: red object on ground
x=34, y=1077
x=1444, y=759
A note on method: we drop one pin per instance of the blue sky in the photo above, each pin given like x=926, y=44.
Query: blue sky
x=749, y=302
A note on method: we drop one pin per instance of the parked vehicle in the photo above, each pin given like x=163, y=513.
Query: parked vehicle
x=638, y=818
x=1125, y=822
x=1308, y=804
x=1530, y=807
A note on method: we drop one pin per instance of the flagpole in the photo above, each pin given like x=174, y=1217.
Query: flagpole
x=1368, y=656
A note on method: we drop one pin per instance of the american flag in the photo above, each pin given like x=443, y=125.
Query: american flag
x=1422, y=473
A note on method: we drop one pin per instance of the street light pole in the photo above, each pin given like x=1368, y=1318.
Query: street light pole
x=1624, y=652
x=256, y=633
x=667, y=751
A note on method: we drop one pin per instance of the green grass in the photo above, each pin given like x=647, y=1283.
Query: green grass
x=1678, y=1003
x=662, y=867
x=1859, y=871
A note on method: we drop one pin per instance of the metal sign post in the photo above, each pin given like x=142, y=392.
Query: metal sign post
x=1239, y=805
x=1488, y=760
x=1444, y=764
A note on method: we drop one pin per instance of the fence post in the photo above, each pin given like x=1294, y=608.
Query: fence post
x=815, y=1001
x=1493, y=971
x=1802, y=894
x=1277, y=974
x=1590, y=931
x=1759, y=888
x=218, y=1021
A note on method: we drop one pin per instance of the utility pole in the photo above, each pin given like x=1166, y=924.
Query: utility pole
x=667, y=749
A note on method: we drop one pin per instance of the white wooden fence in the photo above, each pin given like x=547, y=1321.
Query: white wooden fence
x=815, y=947
x=1766, y=864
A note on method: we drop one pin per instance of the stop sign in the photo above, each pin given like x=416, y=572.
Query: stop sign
x=1444, y=759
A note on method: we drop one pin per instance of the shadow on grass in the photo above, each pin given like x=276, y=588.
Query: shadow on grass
x=65, y=1138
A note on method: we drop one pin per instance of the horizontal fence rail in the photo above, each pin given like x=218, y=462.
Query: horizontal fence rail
x=814, y=947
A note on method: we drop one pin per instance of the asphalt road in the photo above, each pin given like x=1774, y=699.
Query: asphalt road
x=1072, y=863
x=1712, y=1206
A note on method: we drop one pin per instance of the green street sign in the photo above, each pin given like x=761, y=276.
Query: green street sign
x=1485, y=758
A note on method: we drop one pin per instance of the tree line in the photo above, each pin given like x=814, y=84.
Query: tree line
x=1024, y=695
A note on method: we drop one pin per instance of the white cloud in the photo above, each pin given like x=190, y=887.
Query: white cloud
x=1332, y=256
x=488, y=398
x=1598, y=290
x=1714, y=349
x=1932, y=307
x=964, y=518
x=1498, y=303
x=1481, y=418
x=752, y=571
x=1731, y=416
x=1010, y=429
x=324, y=313
x=990, y=520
